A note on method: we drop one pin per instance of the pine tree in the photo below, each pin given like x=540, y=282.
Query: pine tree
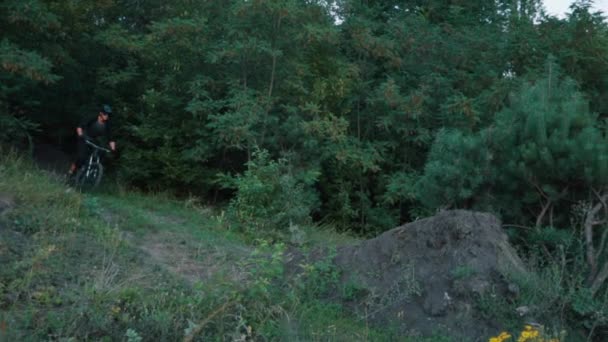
x=544, y=147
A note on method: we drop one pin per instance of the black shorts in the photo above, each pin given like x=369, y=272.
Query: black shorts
x=81, y=151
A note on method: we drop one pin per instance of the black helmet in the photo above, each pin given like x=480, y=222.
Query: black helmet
x=106, y=109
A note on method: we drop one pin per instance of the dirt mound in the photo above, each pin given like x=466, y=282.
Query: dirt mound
x=426, y=276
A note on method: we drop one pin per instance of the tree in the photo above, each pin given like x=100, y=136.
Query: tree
x=25, y=66
x=545, y=147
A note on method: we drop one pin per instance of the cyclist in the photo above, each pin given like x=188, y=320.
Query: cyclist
x=90, y=129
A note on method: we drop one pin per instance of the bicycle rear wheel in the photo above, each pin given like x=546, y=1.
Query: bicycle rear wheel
x=89, y=176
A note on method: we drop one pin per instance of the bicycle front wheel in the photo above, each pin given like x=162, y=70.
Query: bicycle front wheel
x=89, y=176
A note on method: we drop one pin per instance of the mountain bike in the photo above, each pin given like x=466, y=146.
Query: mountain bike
x=90, y=173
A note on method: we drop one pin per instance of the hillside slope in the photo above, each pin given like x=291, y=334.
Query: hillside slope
x=125, y=266
x=121, y=265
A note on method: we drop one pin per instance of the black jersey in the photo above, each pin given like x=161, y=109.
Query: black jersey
x=93, y=129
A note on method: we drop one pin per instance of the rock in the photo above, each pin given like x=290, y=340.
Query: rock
x=522, y=310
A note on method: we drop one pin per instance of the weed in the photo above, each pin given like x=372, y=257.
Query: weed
x=318, y=279
x=351, y=291
x=463, y=272
x=133, y=336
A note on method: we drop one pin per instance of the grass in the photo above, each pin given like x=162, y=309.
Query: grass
x=123, y=265
x=129, y=266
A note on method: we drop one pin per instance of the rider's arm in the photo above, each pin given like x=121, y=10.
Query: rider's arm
x=112, y=143
x=80, y=130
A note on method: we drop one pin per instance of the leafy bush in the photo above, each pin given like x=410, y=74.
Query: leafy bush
x=270, y=197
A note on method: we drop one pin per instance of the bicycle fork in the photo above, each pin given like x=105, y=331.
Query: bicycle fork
x=93, y=160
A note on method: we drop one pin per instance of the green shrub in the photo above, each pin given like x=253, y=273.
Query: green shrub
x=270, y=197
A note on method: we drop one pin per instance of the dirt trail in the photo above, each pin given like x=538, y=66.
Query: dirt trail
x=171, y=245
x=193, y=263
x=175, y=249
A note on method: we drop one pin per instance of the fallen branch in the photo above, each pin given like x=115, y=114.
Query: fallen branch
x=517, y=226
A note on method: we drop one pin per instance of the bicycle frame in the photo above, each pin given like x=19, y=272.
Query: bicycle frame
x=95, y=157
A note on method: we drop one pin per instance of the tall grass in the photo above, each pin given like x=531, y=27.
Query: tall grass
x=41, y=202
x=72, y=269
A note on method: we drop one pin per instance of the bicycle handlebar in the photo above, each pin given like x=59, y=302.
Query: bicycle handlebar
x=96, y=146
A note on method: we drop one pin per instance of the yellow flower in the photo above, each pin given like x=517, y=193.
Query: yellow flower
x=115, y=309
x=529, y=333
x=500, y=338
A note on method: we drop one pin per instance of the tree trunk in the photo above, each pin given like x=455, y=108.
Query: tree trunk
x=595, y=279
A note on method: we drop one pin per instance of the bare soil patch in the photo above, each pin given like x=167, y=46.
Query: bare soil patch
x=177, y=254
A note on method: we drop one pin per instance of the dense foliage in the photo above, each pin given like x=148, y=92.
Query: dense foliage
x=352, y=92
x=360, y=113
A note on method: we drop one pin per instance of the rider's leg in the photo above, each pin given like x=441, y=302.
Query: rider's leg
x=81, y=156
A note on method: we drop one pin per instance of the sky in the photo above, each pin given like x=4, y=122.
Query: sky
x=560, y=7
